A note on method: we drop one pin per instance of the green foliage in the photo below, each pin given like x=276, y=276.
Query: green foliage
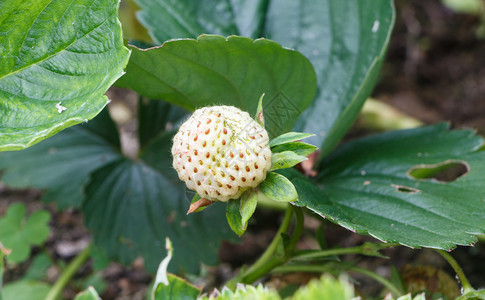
x=111, y=203
x=346, y=43
x=58, y=59
x=234, y=217
x=18, y=233
x=113, y=197
x=365, y=186
x=278, y=188
x=186, y=19
x=285, y=159
x=177, y=288
x=473, y=295
x=299, y=148
x=89, y=294
x=38, y=269
x=25, y=290
x=233, y=71
x=288, y=138
x=61, y=165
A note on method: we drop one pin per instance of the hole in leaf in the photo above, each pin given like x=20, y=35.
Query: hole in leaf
x=446, y=171
x=405, y=189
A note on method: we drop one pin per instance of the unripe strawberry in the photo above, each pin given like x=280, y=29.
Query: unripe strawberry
x=220, y=152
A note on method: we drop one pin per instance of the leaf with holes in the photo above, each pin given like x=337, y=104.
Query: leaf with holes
x=346, y=43
x=18, y=233
x=368, y=186
x=58, y=59
x=227, y=71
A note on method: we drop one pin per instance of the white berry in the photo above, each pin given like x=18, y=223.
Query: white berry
x=220, y=152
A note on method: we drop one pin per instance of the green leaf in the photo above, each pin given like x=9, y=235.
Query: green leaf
x=25, y=289
x=89, y=294
x=58, y=59
x=231, y=71
x=289, y=137
x=61, y=165
x=278, y=188
x=187, y=19
x=346, y=43
x=285, y=159
x=177, y=288
x=249, y=201
x=38, y=269
x=18, y=233
x=365, y=186
x=154, y=117
x=234, y=217
x=300, y=148
x=326, y=288
x=125, y=197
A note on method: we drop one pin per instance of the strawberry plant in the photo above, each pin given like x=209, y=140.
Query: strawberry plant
x=221, y=114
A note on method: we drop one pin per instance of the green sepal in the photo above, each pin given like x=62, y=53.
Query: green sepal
x=299, y=148
x=234, y=217
x=289, y=137
x=285, y=159
x=239, y=211
x=278, y=188
x=259, y=117
x=249, y=201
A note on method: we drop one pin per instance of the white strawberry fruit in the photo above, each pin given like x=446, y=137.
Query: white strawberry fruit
x=220, y=152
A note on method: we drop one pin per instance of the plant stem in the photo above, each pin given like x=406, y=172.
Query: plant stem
x=396, y=292
x=296, y=232
x=366, y=249
x=271, y=258
x=467, y=287
x=67, y=274
x=268, y=257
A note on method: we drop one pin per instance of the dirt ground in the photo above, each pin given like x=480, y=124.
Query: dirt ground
x=435, y=71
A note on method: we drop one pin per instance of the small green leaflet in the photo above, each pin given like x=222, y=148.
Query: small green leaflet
x=278, y=188
x=18, y=233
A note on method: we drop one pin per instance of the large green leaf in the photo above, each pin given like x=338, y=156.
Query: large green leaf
x=231, y=71
x=155, y=117
x=366, y=186
x=189, y=18
x=346, y=42
x=60, y=165
x=131, y=208
x=58, y=59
